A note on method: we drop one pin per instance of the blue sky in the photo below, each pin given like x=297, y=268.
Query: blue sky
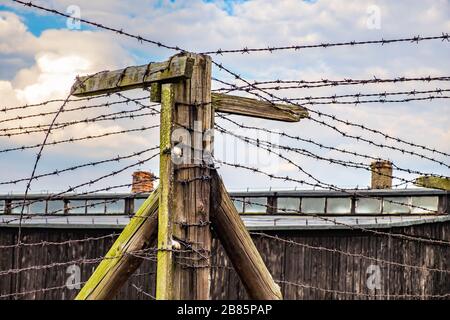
x=39, y=58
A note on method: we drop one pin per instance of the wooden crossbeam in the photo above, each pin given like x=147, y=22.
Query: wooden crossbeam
x=178, y=67
x=256, y=108
x=119, y=263
x=239, y=245
x=433, y=182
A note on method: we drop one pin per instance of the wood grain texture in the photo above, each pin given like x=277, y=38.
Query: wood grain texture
x=166, y=185
x=191, y=201
x=239, y=245
x=119, y=262
x=179, y=67
x=257, y=108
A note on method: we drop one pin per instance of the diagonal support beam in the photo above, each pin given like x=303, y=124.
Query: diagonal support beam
x=177, y=68
x=239, y=246
x=119, y=263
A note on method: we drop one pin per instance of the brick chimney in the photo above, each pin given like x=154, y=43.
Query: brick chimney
x=142, y=182
x=381, y=174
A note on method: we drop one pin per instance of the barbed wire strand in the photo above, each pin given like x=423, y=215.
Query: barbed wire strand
x=335, y=118
x=344, y=163
x=320, y=145
x=346, y=253
x=76, y=139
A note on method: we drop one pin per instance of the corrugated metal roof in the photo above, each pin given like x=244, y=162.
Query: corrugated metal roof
x=253, y=222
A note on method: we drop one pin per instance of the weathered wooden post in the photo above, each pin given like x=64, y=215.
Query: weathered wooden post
x=191, y=197
x=186, y=114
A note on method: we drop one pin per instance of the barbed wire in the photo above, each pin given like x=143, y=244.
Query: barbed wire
x=355, y=227
x=124, y=114
x=345, y=163
x=384, y=94
x=346, y=253
x=51, y=215
x=141, y=291
x=44, y=103
x=46, y=243
x=309, y=100
x=317, y=182
x=93, y=181
x=345, y=122
x=81, y=261
x=38, y=157
x=84, y=165
x=305, y=84
x=415, y=39
x=320, y=145
x=357, y=102
x=40, y=290
x=146, y=254
x=368, y=295
x=114, y=118
x=85, y=107
x=75, y=139
x=99, y=25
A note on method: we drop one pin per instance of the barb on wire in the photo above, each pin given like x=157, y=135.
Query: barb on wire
x=141, y=291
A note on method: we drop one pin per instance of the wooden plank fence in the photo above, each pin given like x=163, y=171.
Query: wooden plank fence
x=304, y=273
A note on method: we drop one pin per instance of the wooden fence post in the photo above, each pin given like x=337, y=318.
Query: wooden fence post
x=164, y=255
x=185, y=194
